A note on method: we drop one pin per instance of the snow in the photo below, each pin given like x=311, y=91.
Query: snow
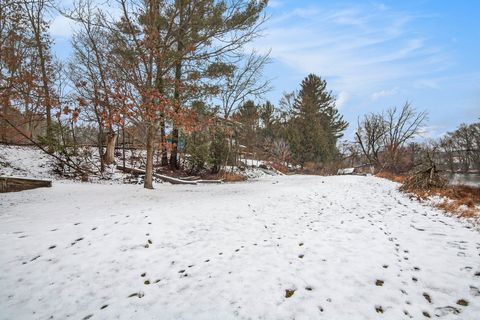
x=30, y=162
x=346, y=171
x=252, y=162
x=25, y=161
x=230, y=251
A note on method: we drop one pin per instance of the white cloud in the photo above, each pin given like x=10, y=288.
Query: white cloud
x=61, y=27
x=357, y=49
x=275, y=3
x=384, y=93
x=342, y=98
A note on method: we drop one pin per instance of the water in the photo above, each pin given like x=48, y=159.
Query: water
x=469, y=179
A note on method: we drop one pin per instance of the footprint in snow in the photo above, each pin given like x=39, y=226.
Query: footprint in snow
x=462, y=302
x=427, y=297
x=474, y=291
x=289, y=293
x=137, y=294
x=77, y=240
x=443, y=311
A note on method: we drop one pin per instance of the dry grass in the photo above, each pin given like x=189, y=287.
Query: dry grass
x=461, y=201
x=392, y=176
x=231, y=177
x=280, y=167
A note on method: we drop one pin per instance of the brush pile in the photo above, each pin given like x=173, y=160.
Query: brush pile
x=426, y=177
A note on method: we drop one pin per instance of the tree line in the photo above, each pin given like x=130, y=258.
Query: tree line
x=171, y=76
x=392, y=141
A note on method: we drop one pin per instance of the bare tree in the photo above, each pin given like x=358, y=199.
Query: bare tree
x=244, y=82
x=35, y=11
x=402, y=126
x=370, y=136
x=382, y=136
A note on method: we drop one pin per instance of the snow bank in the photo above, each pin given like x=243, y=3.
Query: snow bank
x=25, y=162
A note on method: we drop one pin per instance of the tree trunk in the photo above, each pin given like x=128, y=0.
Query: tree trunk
x=176, y=94
x=36, y=26
x=174, y=152
x=148, y=182
x=123, y=144
x=164, y=143
x=110, y=148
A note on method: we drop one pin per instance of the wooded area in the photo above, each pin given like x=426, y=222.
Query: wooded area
x=171, y=77
x=175, y=78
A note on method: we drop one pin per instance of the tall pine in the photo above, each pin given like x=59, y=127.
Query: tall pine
x=316, y=124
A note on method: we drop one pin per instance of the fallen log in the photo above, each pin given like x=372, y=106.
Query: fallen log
x=208, y=181
x=156, y=175
x=190, y=178
x=14, y=184
x=198, y=180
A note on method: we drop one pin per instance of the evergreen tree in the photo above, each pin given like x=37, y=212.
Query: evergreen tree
x=316, y=124
x=267, y=118
x=248, y=116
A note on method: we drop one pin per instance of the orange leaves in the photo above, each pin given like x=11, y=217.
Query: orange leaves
x=73, y=113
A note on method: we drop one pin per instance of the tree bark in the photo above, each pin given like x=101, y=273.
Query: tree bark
x=110, y=148
x=35, y=16
x=176, y=94
x=148, y=182
x=163, y=140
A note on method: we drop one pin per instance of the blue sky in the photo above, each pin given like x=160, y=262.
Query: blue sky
x=373, y=55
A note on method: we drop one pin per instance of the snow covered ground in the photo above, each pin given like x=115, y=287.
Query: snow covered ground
x=302, y=247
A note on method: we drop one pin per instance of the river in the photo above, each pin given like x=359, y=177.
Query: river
x=469, y=179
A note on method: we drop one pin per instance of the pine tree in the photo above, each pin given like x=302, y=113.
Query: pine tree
x=316, y=124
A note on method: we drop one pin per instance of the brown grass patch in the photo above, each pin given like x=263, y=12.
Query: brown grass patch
x=280, y=167
x=231, y=177
x=460, y=200
x=400, y=178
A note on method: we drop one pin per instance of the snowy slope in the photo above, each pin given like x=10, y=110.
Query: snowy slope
x=350, y=248
x=25, y=162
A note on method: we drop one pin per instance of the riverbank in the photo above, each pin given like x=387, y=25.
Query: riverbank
x=461, y=201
